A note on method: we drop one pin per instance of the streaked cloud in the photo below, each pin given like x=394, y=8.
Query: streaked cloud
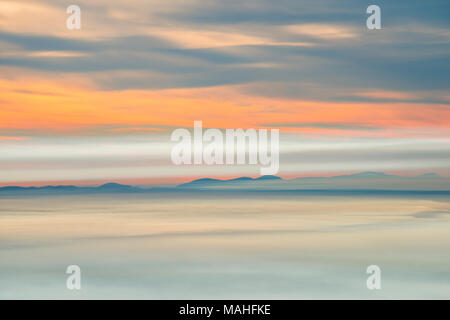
x=393, y=95
x=5, y=138
x=56, y=54
x=323, y=125
x=322, y=31
x=139, y=69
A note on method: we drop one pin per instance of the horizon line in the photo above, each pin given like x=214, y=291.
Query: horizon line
x=181, y=181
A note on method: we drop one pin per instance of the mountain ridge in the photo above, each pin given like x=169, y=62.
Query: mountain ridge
x=361, y=180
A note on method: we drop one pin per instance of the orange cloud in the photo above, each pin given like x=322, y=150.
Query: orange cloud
x=12, y=138
x=56, y=105
x=196, y=38
x=392, y=95
x=322, y=31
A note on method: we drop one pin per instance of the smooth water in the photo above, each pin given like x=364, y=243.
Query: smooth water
x=188, y=246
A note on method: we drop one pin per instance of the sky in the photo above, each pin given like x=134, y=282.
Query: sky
x=98, y=104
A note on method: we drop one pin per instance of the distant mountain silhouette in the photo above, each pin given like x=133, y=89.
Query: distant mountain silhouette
x=366, y=174
x=112, y=186
x=268, y=177
x=105, y=188
x=363, y=181
x=430, y=175
x=209, y=181
x=368, y=180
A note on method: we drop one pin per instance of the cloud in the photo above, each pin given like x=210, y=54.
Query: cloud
x=41, y=101
x=388, y=95
x=323, y=125
x=4, y=138
x=190, y=44
x=206, y=39
x=56, y=54
x=431, y=214
x=312, y=68
x=322, y=31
